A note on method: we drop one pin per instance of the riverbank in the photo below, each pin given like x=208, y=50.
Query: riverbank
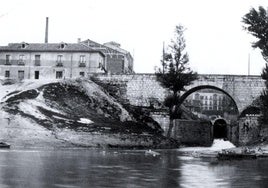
x=245, y=152
x=225, y=150
x=72, y=113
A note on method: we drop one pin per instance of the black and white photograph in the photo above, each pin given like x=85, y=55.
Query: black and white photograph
x=133, y=94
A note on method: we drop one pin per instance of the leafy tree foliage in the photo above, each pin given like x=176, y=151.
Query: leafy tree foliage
x=264, y=97
x=256, y=23
x=175, y=74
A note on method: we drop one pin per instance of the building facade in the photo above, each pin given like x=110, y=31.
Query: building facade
x=209, y=102
x=118, y=60
x=49, y=61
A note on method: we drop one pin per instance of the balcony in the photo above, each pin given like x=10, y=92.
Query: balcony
x=37, y=63
x=59, y=64
x=21, y=63
x=7, y=63
x=82, y=64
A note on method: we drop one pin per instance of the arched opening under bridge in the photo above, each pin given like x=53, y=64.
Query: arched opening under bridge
x=192, y=90
x=220, y=129
x=215, y=105
x=210, y=101
x=250, y=111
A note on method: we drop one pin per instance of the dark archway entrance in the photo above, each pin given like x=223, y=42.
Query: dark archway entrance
x=220, y=129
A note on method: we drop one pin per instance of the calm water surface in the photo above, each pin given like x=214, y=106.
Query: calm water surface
x=110, y=168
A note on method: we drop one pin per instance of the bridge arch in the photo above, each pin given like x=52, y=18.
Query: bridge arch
x=250, y=110
x=194, y=89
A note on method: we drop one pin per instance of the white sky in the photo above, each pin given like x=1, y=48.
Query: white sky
x=215, y=40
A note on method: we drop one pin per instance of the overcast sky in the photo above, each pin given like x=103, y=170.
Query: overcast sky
x=215, y=40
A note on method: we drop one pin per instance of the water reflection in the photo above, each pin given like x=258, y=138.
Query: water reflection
x=97, y=168
x=196, y=173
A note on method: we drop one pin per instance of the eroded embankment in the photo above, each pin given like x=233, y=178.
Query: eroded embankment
x=72, y=113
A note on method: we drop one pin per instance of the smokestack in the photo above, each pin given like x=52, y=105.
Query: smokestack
x=46, y=35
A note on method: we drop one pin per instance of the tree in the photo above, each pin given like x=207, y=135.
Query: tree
x=256, y=23
x=264, y=97
x=175, y=74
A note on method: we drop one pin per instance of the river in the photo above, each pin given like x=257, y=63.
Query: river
x=73, y=168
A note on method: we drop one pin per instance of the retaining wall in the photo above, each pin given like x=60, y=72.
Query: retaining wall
x=193, y=133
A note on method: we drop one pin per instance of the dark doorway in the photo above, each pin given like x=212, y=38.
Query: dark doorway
x=36, y=75
x=220, y=129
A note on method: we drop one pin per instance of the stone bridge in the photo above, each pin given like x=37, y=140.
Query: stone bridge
x=143, y=89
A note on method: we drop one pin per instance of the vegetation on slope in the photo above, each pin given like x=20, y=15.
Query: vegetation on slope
x=82, y=107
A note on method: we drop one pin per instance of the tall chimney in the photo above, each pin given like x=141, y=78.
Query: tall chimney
x=46, y=35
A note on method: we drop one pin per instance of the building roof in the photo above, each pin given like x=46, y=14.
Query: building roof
x=49, y=47
x=104, y=48
x=115, y=46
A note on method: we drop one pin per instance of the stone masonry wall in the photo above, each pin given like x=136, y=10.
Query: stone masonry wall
x=249, y=130
x=162, y=119
x=195, y=133
x=137, y=89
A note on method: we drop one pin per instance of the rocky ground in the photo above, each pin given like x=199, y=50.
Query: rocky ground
x=72, y=113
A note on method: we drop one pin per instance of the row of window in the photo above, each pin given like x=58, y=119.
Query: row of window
x=37, y=59
x=211, y=108
x=59, y=74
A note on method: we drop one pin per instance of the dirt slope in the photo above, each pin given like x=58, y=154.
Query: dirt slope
x=71, y=113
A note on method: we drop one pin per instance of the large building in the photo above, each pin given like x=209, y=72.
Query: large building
x=118, y=60
x=62, y=60
x=49, y=60
x=209, y=102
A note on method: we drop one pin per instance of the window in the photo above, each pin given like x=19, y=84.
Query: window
x=24, y=45
x=37, y=59
x=123, y=65
x=8, y=62
x=62, y=45
x=82, y=59
x=7, y=74
x=21, y=60
x=21, y=75
x=82, y=74
x=197, y=96
x=59, y=61
x=59, y=74
x=59, y=58
x=36, y=75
